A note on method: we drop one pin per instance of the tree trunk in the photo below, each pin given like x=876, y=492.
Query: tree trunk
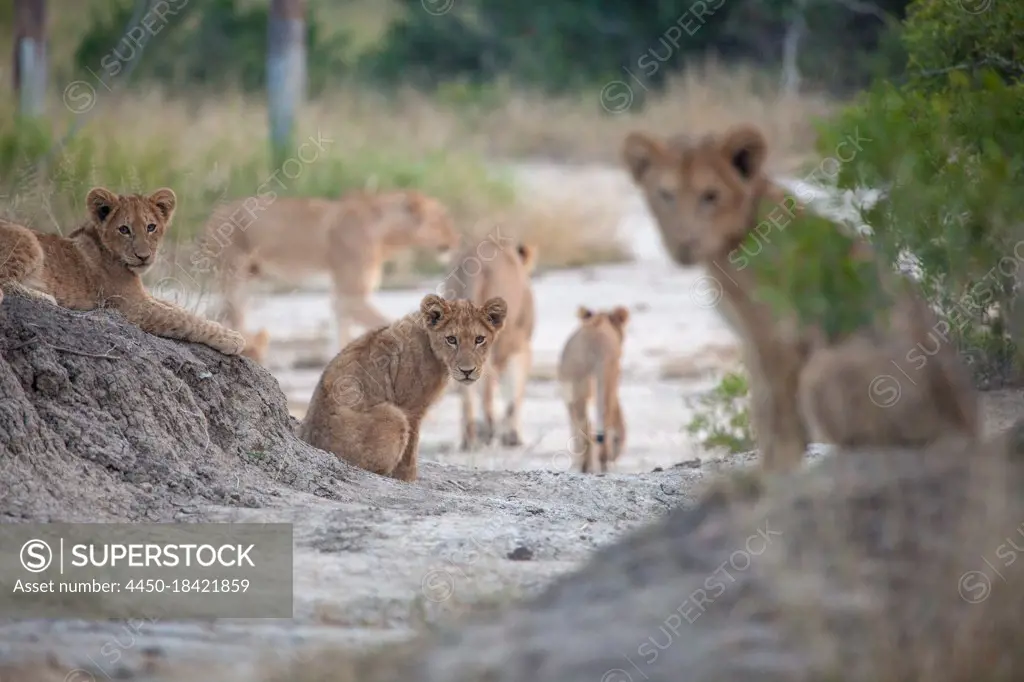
x=30, y=56
x=791, y=48
x=286, y=73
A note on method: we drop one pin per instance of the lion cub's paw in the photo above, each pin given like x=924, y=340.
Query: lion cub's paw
x=511, y=439
x=229, y=342
x=28, y=291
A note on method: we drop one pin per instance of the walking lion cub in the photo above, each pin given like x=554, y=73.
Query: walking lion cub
x=486, y=270
x=590, y=367
x=101, y=263
x=889, y=379
x=349, y=238
x=372, y=397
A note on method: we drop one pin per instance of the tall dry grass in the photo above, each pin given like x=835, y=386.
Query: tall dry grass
x=460, y=146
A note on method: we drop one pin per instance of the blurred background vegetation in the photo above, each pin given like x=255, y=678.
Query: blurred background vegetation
x=443, y=94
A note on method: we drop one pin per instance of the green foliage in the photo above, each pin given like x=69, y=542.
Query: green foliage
x=802, y=263
x=940, y=34
x=949, y=151
x=215, y=44
x=579, y=42
x=721, y=417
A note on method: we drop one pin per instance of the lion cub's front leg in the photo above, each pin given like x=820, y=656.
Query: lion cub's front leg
x=163, y=319
x=778, y=424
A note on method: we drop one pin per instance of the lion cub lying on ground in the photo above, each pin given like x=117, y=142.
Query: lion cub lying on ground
x=706, y=196
x=371, y=398
x=100, y=265
x=590, y=368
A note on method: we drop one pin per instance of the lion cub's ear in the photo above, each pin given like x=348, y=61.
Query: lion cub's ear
x=101, y=202
x=165, y=201
x=745, y=148
x=527, y=254
x=414, y=203
x=584, y=313
x=495, y=309
x=619, y=316
x=640, y=152
x=434, y=309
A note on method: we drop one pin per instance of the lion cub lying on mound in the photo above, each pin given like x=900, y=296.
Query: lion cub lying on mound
x=100, y=265
x=807, y=380
x=590, y=364
x=371, y=398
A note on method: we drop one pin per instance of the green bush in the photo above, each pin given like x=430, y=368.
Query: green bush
x=721, y=416
x=948, y=150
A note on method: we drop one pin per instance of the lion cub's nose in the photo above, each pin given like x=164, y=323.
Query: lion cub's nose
x=467, y=373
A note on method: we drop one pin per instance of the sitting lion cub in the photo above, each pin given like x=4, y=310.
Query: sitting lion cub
x=590, y=364
x=100, y=265
x=371, y=398
x=891, y=379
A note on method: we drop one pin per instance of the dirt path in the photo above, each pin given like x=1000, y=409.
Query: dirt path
x=377, y=562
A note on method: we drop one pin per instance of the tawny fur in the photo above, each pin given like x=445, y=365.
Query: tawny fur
x=100, y=265
x=370, y=400
x=256, y=346
x=348, y=238
x=481, y=271
x=704, y=195
x=590, y=368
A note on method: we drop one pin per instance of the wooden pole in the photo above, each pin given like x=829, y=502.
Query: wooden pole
x=30, y=56
x=286, y=73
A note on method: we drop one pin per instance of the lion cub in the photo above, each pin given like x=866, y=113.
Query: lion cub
x=590, y=368
x=895, y=380
x=371, y=398
x=486, y=270
x=349, y=238
x=101, y=263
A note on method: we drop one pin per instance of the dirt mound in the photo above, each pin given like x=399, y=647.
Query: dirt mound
x=101, y=421
x=869, y=566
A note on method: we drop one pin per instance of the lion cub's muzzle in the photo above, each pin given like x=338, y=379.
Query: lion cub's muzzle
x=444, y=255
x=684, y=253
x=466, y=376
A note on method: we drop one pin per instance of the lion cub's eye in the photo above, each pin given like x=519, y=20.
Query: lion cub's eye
x=124, y=229
x=666, y=195
x=151, y=228
x=452, y=341
x=709, y=197
x=480, y=340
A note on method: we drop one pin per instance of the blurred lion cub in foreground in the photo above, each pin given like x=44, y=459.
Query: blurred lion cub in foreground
x=372, y=397
x=707, y=196
x=590, y=367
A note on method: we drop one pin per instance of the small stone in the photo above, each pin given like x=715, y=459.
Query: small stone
x=521, y=553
